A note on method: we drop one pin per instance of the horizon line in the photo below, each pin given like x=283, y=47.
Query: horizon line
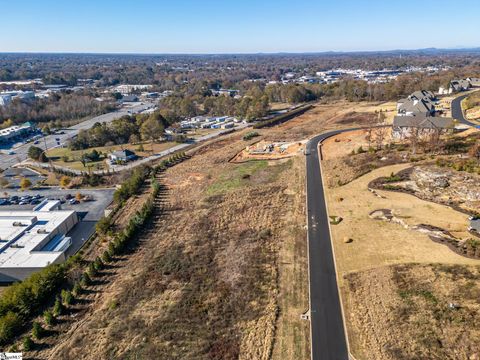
x=325, y=52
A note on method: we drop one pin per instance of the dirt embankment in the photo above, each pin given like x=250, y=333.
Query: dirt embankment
x=458, y=189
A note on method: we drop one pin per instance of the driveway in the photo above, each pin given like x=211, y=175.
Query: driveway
x=457, y=112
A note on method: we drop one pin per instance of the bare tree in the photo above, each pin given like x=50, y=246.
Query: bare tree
x=368, y=137
x=434, y=139
x=380, y=134
x=414, y=139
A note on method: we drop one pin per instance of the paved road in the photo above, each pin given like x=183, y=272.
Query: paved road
x=48, y=142
x=457, y=112
x=328, y=340
x=178, y=147
x=328, y=337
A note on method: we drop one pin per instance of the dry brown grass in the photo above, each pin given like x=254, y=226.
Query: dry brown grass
x=402, y=312
x=221, y=275
x=209, y=280
x=395, y=301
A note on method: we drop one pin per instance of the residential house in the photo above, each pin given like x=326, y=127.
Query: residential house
x=474, y=82
x=123, y=156
x=414, y=106
x=460, y=85
x=404, y=125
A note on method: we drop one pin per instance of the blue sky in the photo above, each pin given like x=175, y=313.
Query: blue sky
x=236, y=26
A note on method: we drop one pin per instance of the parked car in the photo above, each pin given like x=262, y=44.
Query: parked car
x=73, y=201
x=3, y=201
x=35, y=201
x=24, y=202
x=14, y=198
x=69, y=196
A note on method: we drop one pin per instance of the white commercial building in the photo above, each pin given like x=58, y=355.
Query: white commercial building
x=16, y=131
x=32, y=239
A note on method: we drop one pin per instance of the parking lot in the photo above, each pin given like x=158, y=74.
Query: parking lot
x=14, y=175
x=91, y=210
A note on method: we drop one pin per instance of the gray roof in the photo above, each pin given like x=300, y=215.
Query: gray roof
x=122, y=153
x=475, y=224
x=425, y=95
x=423, y=122
x=416, y=106
x=460, y=84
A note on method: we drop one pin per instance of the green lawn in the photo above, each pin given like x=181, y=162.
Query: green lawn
x=237, y=177
x=56, y=154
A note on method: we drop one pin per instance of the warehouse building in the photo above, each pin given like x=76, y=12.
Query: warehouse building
x=32, y=239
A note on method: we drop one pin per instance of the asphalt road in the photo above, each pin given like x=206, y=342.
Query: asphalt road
x=328, y=337
x=457, y=112
x=50, y=141
x=328, y=340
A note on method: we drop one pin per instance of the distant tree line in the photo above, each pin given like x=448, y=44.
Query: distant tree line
x=57, y=107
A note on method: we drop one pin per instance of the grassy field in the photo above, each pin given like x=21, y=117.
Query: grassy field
x=57, y=154
x=217, y=277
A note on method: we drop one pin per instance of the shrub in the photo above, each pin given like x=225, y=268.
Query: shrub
x=103, y=225
x=250, y=135
x=98, y=264
x=86, y=280
x=26, y=297
x=10, y=325
x=132, y=185
x=67, y=297
x=27, y=343
x=58, y=308
x=392, y=178
x=106, y=256
x=37, y=330
x=92, y=271
x=77, y=289
x=48, y=317
x=282, y=117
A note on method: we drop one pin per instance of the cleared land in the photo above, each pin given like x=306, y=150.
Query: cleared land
x=397, y=304
x=222, y=274
x=217, y=269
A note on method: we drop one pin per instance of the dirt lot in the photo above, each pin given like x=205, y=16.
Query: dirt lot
x=264, y=150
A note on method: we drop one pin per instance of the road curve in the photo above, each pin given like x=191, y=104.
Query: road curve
x=457, y=112
x=327, y=332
